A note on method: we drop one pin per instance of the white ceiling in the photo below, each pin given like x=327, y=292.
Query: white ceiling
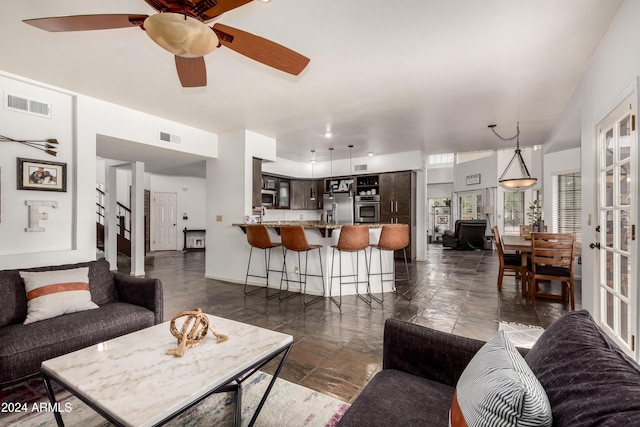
x=385, y=76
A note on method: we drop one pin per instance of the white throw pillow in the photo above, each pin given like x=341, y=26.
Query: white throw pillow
x=54, y=293
x=497, y=388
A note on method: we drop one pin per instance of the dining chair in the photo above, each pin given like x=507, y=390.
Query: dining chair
x=552, y=258
x=510, y=264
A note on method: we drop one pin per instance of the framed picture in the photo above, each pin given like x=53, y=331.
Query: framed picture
x=41, y=175
x=473, y=179
x=442, y=219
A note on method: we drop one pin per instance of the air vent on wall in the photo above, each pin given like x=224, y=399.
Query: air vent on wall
x=24, y=105
x=167, y=137
x=360, y=167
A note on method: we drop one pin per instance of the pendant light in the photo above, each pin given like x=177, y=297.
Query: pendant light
x=350, y=171
x=312, y=190
x=331, y=176
x=516, y=177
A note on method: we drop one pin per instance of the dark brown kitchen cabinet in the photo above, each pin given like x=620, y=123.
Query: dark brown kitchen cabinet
x=256, y=194
x=397, y=203
x=301, y=194
x=397, y=195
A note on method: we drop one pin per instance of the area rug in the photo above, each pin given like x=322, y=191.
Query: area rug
x=288, y=404
x=521, y=335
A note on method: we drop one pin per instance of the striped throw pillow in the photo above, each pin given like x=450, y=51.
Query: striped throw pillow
x=54, y=293
x=497, y=388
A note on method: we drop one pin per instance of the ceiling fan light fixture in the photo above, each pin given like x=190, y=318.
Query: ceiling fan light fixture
x=181, y=34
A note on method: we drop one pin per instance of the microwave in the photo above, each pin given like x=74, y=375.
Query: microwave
x=269, y=198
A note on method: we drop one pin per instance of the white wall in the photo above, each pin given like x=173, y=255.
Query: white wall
x=602, y=87
x=439, y=175
x=76, y=121
x=439, y=191
x=485, y=166
x=62, y=238
x=229, y=191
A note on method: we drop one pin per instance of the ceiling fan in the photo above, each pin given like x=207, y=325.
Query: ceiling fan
x=180, y=28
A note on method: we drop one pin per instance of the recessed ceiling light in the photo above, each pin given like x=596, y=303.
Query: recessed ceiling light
x=328, y=134
x=370, y=153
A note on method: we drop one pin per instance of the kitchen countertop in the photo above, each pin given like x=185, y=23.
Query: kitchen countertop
x=312, y=225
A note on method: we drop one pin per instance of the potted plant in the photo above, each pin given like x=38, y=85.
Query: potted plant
x=535, y=214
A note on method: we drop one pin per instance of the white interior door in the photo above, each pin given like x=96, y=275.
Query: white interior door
x=617, y=197
x=164, y=221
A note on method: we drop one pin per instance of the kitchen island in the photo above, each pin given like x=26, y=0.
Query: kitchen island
x=326, y=235
x=326, y=230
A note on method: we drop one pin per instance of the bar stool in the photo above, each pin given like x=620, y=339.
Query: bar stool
x=353, y=238
x=393, y=237
x=294, y=239
x=258, y=238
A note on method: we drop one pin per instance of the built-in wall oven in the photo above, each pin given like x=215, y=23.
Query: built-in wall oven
x=269, y=198
x=367, y=209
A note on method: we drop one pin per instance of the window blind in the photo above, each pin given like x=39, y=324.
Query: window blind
x=567, y=204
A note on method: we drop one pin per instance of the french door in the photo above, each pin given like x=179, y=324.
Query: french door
x=617, y=197
x=470, y=205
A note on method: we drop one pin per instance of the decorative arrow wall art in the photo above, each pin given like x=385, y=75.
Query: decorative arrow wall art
x=49, y=146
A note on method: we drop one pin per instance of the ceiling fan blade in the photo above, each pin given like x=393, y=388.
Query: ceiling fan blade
x=191, y=71
x=223, y=6
x=86, y=22
x=261, y=50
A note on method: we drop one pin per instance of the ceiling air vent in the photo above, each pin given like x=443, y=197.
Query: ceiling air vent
x=360, y=167
x=24, y=105
x=167, y=137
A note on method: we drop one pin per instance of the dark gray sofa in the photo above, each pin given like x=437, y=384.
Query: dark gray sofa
x=126, y=304
x=589, y=381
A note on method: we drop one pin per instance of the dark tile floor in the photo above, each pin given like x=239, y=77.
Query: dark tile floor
x=337, y=351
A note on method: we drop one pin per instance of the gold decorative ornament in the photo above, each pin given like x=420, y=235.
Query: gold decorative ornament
x=193, y=331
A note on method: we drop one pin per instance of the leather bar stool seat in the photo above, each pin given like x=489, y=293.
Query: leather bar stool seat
x=258, y=238
x=353, y=239
x=393, y=237
x=294, y=239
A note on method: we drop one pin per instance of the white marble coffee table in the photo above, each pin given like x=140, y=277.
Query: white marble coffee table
x=132, y=382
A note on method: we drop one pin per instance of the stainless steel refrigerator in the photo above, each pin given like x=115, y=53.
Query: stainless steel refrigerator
x=338, y=210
